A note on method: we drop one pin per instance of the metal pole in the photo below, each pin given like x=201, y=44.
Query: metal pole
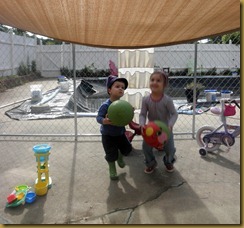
x=194, y=92
x=12, y=52
x=74, y=87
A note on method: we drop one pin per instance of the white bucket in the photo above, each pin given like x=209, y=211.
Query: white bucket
x=210, y=95
x=36, y=92
x=225, y=94
x=64, y=86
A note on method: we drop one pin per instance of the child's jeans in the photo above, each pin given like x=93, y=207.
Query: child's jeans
x=113, y=144
x=169, y=149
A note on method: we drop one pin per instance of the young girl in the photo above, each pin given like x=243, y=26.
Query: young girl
x=114, y=140
x=159, y=106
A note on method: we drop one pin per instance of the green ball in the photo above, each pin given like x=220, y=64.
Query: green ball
x=121, y=113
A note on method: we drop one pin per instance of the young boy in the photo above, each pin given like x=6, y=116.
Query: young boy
x=158, y=106
x=114, y=140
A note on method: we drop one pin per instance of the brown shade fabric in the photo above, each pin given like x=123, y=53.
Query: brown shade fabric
x=123, y=23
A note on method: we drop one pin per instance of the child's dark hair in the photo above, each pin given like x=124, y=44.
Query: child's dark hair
x=164, y=76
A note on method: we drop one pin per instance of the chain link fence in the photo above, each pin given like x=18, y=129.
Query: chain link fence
x=46, y=97
x=44, y=93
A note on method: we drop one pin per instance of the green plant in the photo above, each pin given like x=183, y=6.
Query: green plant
x=212, y=71
x=87, y=71
x=198, y=85
x=189, y=90
x=238, y=71
x=11, y=81
x=182, y=72
x=33, y=66
x=23, y=69
x=226, y=72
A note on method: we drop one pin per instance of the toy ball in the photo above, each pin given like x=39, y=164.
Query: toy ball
x=120, y=112
x=215, y=110
x=155, y=134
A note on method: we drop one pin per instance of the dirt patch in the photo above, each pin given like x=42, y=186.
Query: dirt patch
x=9, y=82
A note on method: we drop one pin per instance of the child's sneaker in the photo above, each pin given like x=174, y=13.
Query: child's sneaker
x=150, y=170
x=170, y=168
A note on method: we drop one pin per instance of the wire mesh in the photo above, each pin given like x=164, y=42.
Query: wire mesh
x=37, y=106
x=24, y=64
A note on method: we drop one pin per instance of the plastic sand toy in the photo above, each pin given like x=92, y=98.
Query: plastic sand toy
x=18, y=196
x=30, y=197
x=43, y=182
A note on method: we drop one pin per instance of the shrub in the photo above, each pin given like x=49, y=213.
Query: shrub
x=198, y=85
x=85, y=72
x=33, y=66
x=23, y=69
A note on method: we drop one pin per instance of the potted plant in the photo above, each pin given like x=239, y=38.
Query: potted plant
x=189, y=90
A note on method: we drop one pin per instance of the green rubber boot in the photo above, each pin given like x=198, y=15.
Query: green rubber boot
x=120, y=161
x=112, y=171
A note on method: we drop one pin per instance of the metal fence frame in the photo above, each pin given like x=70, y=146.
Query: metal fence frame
x=77, y=119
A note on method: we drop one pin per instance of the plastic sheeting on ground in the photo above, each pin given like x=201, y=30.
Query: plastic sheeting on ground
x=56, y=103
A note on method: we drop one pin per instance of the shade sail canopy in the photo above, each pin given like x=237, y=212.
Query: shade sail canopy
x=123, y=23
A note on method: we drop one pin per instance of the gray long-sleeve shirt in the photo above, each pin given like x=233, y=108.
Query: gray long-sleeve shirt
x=163, y=110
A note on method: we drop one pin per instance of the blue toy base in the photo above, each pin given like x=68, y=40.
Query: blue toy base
x=30, y=197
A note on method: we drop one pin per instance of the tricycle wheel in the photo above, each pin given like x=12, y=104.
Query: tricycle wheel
x=209, y=146
x=203, y=152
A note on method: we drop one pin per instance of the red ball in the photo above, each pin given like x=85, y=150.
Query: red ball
x=156, y=133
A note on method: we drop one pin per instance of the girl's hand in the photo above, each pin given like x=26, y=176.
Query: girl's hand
x=170, y=128
x=142, y=129
x=106, y=120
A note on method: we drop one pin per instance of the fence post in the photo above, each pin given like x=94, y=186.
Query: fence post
x=74, y=86
x=194, y=92
x=26, y=59
x=41, y=51
x=71, y=55
x=35, y=53
x=62, y=55
x=12, y=52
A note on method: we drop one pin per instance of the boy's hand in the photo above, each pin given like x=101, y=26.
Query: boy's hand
x=106, y=120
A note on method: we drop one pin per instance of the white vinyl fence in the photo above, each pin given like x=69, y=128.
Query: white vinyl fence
x=14, y=51
x=51, y=58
